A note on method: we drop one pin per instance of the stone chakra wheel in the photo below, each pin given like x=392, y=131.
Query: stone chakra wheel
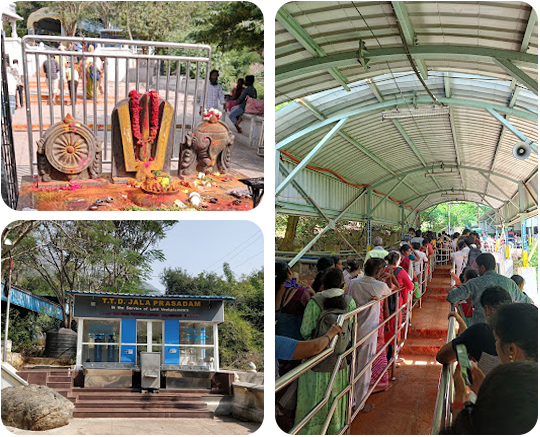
x=70, y=151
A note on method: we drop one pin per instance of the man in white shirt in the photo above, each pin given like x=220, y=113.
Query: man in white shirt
x=17, y=73
x=363, y=290
x=460, y=257
x=422, y=258
x=417, y=237
x=214, y=92
x=378, y=251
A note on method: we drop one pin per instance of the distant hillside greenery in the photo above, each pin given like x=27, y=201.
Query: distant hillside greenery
x=241, y=335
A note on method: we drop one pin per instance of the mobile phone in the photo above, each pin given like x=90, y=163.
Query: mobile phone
x=465, y=363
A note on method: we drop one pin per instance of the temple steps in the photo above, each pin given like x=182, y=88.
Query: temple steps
x=124, y=402
x=138, y=412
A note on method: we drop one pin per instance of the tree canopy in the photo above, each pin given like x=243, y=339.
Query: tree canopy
x=462, y=215
x=116, y=256
x=232, y=26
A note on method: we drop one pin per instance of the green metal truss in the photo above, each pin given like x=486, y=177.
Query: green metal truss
x=446, y=167
x=391, y=54
x=405, y=101
x=289, y=23
x=480, y=193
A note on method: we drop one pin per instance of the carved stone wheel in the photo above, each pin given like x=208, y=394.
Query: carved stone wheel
x=70, y=152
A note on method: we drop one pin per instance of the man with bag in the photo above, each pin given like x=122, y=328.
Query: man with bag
x=238, y=110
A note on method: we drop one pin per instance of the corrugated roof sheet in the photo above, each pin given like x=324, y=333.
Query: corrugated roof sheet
x=336, y=27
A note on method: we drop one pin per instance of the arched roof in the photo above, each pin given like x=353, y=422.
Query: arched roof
x=41, y=14
x=316, y=41
x=479, y=60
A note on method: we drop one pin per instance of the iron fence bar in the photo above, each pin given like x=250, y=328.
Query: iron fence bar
x=137, y=74
x=175, y=112
x=206, y=77
x=353, y=368
x=116, y=63
x=195, y=89
x=10, y=192
x=83, y=73
x=126, y=91
x=71, y=85
x=28, y=108
x=105, y=112
x=186, y=90
x=95, y=97
x=62, y=68
x=167, y=82
x=148, y=83
x=70, y=39
x=51, y=91
x=124, y=56
x=442, y=414
x=40, y=108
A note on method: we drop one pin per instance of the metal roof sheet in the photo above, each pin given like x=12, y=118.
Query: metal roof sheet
x=374, y=149
x=336, y=27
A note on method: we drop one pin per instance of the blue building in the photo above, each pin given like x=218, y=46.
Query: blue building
x=113, y=328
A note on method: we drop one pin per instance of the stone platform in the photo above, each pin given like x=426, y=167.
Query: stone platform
x=215, y=192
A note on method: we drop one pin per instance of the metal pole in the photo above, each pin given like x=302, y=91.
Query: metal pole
x=449, y=217
x=4, y=356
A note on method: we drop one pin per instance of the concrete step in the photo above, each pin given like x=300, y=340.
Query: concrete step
x=59, y=378
x=428, y=333
x=163, y=391
x=137, y=397
x=435, y=297
x=151, y=413
x=142, y=404
x=59, y=385
x=437, y=289
x=422, y=346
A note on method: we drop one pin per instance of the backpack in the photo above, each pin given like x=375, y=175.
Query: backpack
x=288, y=325
x=474, y=253
x=326, y=319
x=92, y=71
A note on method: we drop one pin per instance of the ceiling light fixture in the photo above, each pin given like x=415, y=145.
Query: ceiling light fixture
x=416, y=113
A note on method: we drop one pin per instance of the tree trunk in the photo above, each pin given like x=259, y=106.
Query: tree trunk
x=290, y=233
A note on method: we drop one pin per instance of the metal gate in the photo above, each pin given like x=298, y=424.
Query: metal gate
x=125, y=65
x=10, y=192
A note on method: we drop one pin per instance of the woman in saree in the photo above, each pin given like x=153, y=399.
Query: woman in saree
x=312, y=385
x=92, y=73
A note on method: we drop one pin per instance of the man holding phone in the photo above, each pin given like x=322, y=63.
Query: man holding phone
x=478, y=338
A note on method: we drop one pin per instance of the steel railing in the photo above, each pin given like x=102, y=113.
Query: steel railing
x=442, y=253
x=295, y=373
x=442, y=416
x=425, y=278
x=117, y=70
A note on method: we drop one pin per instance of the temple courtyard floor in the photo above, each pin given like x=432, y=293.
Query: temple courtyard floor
x=146, y=426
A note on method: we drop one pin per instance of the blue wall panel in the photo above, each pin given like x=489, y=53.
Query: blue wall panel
x=128, y=354
x=171, y=336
